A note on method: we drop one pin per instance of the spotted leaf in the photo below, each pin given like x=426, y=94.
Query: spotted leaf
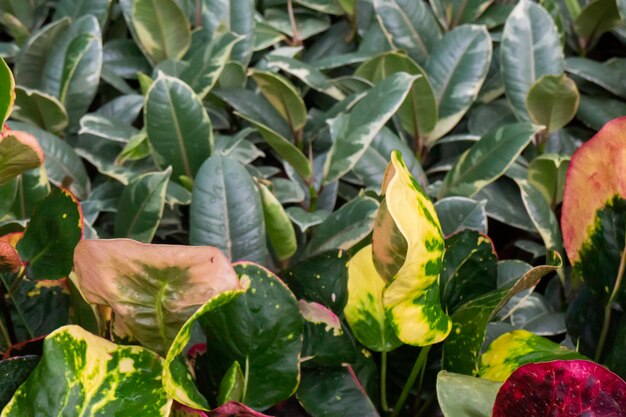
x=82, y=374
x=152, y=289
x=514, y=349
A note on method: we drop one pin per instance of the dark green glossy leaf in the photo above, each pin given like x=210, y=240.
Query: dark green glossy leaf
x=307, y=73
x=51, y=236
x=14, y=372
x=460, y=213
x=40, y=109
x=596, y=111
x=603, y=75
x=78, y=8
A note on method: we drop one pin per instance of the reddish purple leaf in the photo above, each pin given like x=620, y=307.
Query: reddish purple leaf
x=575, y=388
x=234, y=409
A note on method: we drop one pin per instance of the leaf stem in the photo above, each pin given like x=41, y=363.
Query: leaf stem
x=16, y=284
x=383, y=382
x=606, y=325
x=8, y=331
x=418, y=369
x=295, y=39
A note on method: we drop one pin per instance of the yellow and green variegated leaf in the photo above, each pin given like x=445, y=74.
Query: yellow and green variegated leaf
x=364, y=310
x=7, y=93
x=462, y=348
x=19, y=152
x=177, y=380
x=152, y=289
x=514, y=349
x=593, y=226
x=84, y=375
x=408, y=248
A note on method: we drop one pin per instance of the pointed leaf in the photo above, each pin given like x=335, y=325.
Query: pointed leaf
x=178, y=126
x=100, y=377
x=279, y=229
x=153, y=289
x=7, y=93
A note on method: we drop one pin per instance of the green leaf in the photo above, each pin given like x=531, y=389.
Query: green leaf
x=345, y=227
x=552, y=101
x=40, y=109
x=106, y=128
x=162, y=29
x=141, y=204
x=53, y=232
x=19, y=152
x=487, y=159
x=226, y=211
x=283, y=96
x=456, y=69
x=152, y=289
x=530, y=49
x=63, y=166
x=469, y=269
x=334, y=392
x=64, y=60
x=232, y=385
x=13, y=372
x=596, y=111
x=32, y=188
x=8, y=191
x=87, y=368
x=124, y=59
x=308, y=74
x=419, y=113
x=354, y=133
x=278, y=227
x=409, y=25
x=462, y=348
x=595, y=19
x=512, y=350
x=78, y=8
x=178, y=126
x=603, y=75
x=547, y=174
x=490, y=116
x=7, y=93
x=461, y=213
x=465, y=396
x=308, y=24
x=283, y=147
x=541, y=215
x=206, y=63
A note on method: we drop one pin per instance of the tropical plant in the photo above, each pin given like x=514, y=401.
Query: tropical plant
x=312, y=208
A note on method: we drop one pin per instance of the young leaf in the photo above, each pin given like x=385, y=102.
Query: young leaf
x=552, y=101
x=408, y=249
x=226, y=211
x=487, y=159
x=19, y=152
x=152, y=289
x=456, y=69
x=595, y=19
x=530, y=49
x=87, y=368
x=7, y=93
x=53, y=232
x=278, y=227
x=465, y=396
x=178, y=126
x=512, y=350
x=140, y=207
x=355, y=132
x=162, y=29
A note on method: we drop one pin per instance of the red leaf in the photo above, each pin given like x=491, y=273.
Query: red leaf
x=574, y=388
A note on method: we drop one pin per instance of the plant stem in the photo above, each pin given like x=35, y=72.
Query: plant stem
x=418, y=369
x=425, y=406
x=16, y=284
x=295, y=39
x=8, y=331
x=608, y=308
x=383, y=382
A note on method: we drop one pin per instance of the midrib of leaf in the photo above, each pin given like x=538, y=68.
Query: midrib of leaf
x=446, y=83
x=159, y=19
x=412, y=30
x=67, y=80
x=158, y=308
x=179, y=134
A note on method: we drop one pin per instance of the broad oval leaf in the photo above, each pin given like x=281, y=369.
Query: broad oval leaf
x=598, y=73
x=593, y=227
x=460, y=213
x=409, y=25
x=178, y=126
x=7, y=93
x=562, y=388
x=162, y=29
x=408, y=249
x=19, y=152
x=530, y=49
x=53, y=232
x=487, y=159
x=465, y=396
x=514, y=349
x=99, y=376
x=354, y=132
x=152, y=289
x=419, y=112
x=226, y=211
x=457, y=69
x=283, y=96
x=140, y=207
x=40, y=109
x=278, y=227
x=552, y=101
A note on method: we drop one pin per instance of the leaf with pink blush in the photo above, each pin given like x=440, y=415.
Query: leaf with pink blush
x=574, y=388
x=234, y=409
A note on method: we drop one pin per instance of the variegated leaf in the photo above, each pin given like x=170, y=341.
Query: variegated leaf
x=19, y=152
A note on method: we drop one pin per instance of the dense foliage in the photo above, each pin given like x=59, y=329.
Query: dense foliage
x=312, y=208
